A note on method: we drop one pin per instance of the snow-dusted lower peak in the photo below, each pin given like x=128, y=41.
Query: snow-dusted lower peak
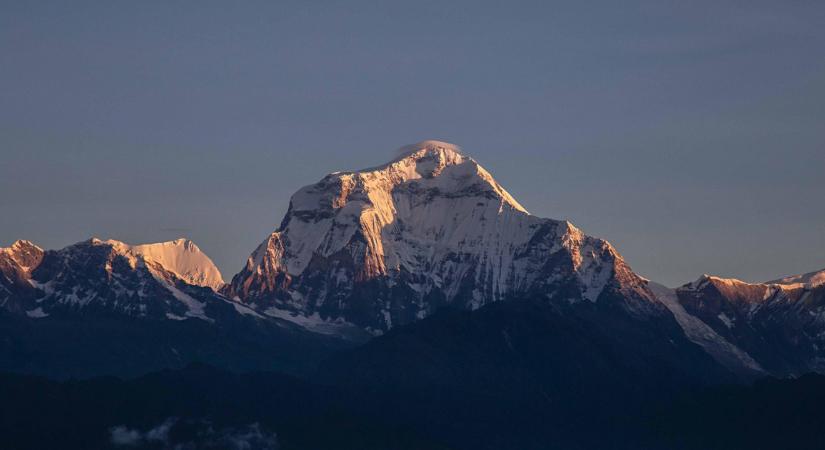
x=183, y=258
x=152, y=280
x=180, y=257
x=24, y=255
x=702, y=334
x=16, y=264
x=393, y=243
x=808, y=280
x=780, y=324
x=738, y=290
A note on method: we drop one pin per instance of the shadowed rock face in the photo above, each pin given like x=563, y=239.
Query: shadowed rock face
x=153, y=280
x=102, y=308
x=782, y=326
x=392, y=244
x=16, y=264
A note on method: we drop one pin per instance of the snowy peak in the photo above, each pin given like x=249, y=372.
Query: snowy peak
x=805, y=281
x=706, y=280
x=393, y=243
x=438, y=167
x=756, y=293
x=721, y=349
x=808, y=280
x=736, y=290
x=430, y=144
x=16, y=264
x=779, y=323
x=23, y=254
x=183, y=258
x=167, y=280
x=180, y=257
x=21, y=245
x=461, y=173
x=430, y=182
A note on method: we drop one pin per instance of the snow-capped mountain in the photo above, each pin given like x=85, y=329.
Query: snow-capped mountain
x=172, y=279
x=776, y=327
x=181, y=257
x=721, y=349
x=388, y=245
x=109, y=308
x=809, y=280
x=16, y=265
x=367, y=251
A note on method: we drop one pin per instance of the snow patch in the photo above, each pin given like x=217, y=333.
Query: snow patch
x=725, y=319
x=245, y=310
x=194, y=308
x=700, y=333
x=808, y=280
x=36, y=313
x=314, y=322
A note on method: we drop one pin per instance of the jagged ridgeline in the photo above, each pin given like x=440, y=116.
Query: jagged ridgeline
x=360, y=254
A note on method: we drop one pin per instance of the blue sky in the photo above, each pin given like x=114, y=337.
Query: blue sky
x=689, y=134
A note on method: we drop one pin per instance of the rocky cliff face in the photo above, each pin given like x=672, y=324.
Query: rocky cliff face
x=171, y=280
x=16, y=265
x=780, y=324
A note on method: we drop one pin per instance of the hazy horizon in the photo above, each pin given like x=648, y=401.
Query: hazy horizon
x=689, y=136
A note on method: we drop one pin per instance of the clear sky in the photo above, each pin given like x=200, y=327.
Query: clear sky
x=689, y=134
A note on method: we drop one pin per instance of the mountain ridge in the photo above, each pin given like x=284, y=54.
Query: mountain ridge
x=94, y=272
x=775, y=327
x=360, y=253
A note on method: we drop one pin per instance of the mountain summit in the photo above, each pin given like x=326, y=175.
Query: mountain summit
x=391, y=244
x=181, y=257
x=110, y=275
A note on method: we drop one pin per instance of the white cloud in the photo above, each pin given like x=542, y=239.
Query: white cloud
x=245, y=437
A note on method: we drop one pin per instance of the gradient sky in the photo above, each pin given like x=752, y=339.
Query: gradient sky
x=689, y=134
